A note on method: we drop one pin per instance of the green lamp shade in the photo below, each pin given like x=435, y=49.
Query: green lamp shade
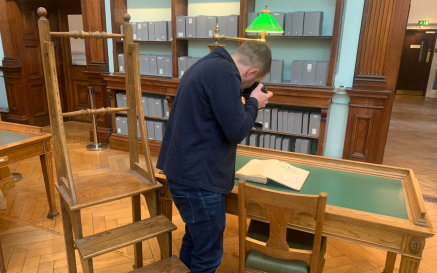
x=265, y=22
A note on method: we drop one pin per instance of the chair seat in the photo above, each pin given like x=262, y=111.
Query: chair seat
x=258, y=261
x=104, y=187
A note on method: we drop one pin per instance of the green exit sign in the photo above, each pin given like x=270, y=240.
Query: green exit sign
x=424, y=23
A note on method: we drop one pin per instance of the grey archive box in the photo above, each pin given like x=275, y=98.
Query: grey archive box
x=314, y=126
x=297, y=145
x=151, y=106
x=150, y=126
x=280, y=19
x=118, y=124
x=121, y=30
x=305, y=146
x=305, y=122
x=134, y=29
x=153, y=65
x=244, y=141
x=211, y=23
x=260, y=116
x=267, y=141
x=201, y=26
x=276, y=71
x=321, y=73
x=139, y=31
x=233, y=22
x=313, y=23
x=309, y=73
x=267, y=118
x=261, y=141
x=145, y=31
x=145, y=64
x=124, y=128
x=286, y=144
x=223, y=25
x=159, y=130
x=298, y=19
x=124, y=102
x=169, y=32
x=288, y=22
x=280, y=125
x=151, y=29
x=190, y=27
x=121, y=63
x=297, y=128
x=160, y=62
x=145, y=108
x=290, y=122
x=272, y=142
x=167, y=66
x=161, y=31
x=254, y=140
x=274, y=126
x=278, y=144
x=166, y=110
x=251, y=16
x=191, y=61
x=182, y=65
x=180, y=26
x=120, y=101
x=159, y=108
x=285, y=121
x=296, y=72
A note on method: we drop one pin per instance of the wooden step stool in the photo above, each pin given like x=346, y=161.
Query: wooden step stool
x=96, y=189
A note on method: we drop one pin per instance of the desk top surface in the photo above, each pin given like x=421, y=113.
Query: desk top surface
x=7, y=137
x=362, y=192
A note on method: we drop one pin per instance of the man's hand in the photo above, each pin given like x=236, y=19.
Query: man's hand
x=263, y=98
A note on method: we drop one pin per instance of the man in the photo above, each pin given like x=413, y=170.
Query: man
x=207, y=121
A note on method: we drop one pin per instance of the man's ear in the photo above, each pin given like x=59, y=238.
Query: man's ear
x=252, y=72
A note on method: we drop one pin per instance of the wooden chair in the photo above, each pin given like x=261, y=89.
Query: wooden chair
x=83, y=192
x=271, y=247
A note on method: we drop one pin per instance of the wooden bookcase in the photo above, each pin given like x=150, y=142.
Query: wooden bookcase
x=287, y=95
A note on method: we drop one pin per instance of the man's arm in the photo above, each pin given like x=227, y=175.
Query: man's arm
x=235, y=119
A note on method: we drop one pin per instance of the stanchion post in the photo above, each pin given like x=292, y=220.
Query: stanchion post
x=96, y=146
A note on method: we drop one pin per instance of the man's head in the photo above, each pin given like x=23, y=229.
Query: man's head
x=253, y=60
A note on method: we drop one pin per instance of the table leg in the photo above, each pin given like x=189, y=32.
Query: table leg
x=390, y=262
x=68, y=238
x=409, y=264
x=47, y=170
x=166, y=201
x=6, y=179
x=136, y=216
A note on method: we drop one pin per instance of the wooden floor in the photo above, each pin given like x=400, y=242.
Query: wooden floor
x=32, y=243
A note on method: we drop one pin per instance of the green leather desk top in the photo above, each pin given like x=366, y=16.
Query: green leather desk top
x=348, y=190
x=7, y=137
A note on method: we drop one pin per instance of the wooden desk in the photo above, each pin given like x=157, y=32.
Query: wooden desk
x=372, y=205
x=18, y=142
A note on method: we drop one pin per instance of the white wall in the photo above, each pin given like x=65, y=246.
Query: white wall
x=425, y=10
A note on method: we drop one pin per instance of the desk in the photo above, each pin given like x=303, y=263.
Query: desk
x=18, y=142
x=372, y=205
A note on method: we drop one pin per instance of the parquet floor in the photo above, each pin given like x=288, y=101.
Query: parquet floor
x=32, y=243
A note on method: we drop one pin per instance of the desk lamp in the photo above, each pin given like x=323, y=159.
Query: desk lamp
x=264, y=23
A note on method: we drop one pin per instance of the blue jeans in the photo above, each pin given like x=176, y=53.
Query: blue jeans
x=205, y=220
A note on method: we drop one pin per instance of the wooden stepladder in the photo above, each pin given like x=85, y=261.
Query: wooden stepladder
x=83, y=192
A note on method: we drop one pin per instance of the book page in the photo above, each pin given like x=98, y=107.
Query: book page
x=288, y=175
x=256, y=170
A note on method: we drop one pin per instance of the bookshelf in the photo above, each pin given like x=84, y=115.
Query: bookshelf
x=324, y=47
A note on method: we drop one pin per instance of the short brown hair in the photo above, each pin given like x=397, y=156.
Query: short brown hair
x=256, y=54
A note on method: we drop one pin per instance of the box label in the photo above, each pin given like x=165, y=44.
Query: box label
x=309, y=67
x=135, y=36
x=190, y=20
x=121, y=68
x=210, y=33
x=182, y=73
x=160, y=71
x=180, y=34
x=314, y=131
x=139, y=26
x=118, y=130
x=266, y=125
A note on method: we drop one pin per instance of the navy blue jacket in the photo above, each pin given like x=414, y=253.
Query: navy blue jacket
x=206, y=123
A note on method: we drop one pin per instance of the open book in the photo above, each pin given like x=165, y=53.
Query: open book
x=283, y=173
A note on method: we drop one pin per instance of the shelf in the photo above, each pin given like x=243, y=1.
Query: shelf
x=147, y=117
x=195, y=39
x=149, y=42
x=284, y=134
x=291, y=37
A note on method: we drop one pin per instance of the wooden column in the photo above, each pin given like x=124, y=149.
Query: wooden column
x=376, y=72
x=94, y=19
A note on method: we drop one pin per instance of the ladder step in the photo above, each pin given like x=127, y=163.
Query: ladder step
x=110, y=240
x=169, y=265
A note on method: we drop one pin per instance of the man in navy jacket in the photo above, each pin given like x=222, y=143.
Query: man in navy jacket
x=207, y=121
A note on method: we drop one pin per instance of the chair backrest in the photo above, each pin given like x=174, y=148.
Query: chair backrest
x=280, y=208
x=133, y=91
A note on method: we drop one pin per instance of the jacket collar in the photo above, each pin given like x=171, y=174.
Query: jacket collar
x=224, y=53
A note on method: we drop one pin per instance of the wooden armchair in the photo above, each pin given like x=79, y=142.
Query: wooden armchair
x=271, y=247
